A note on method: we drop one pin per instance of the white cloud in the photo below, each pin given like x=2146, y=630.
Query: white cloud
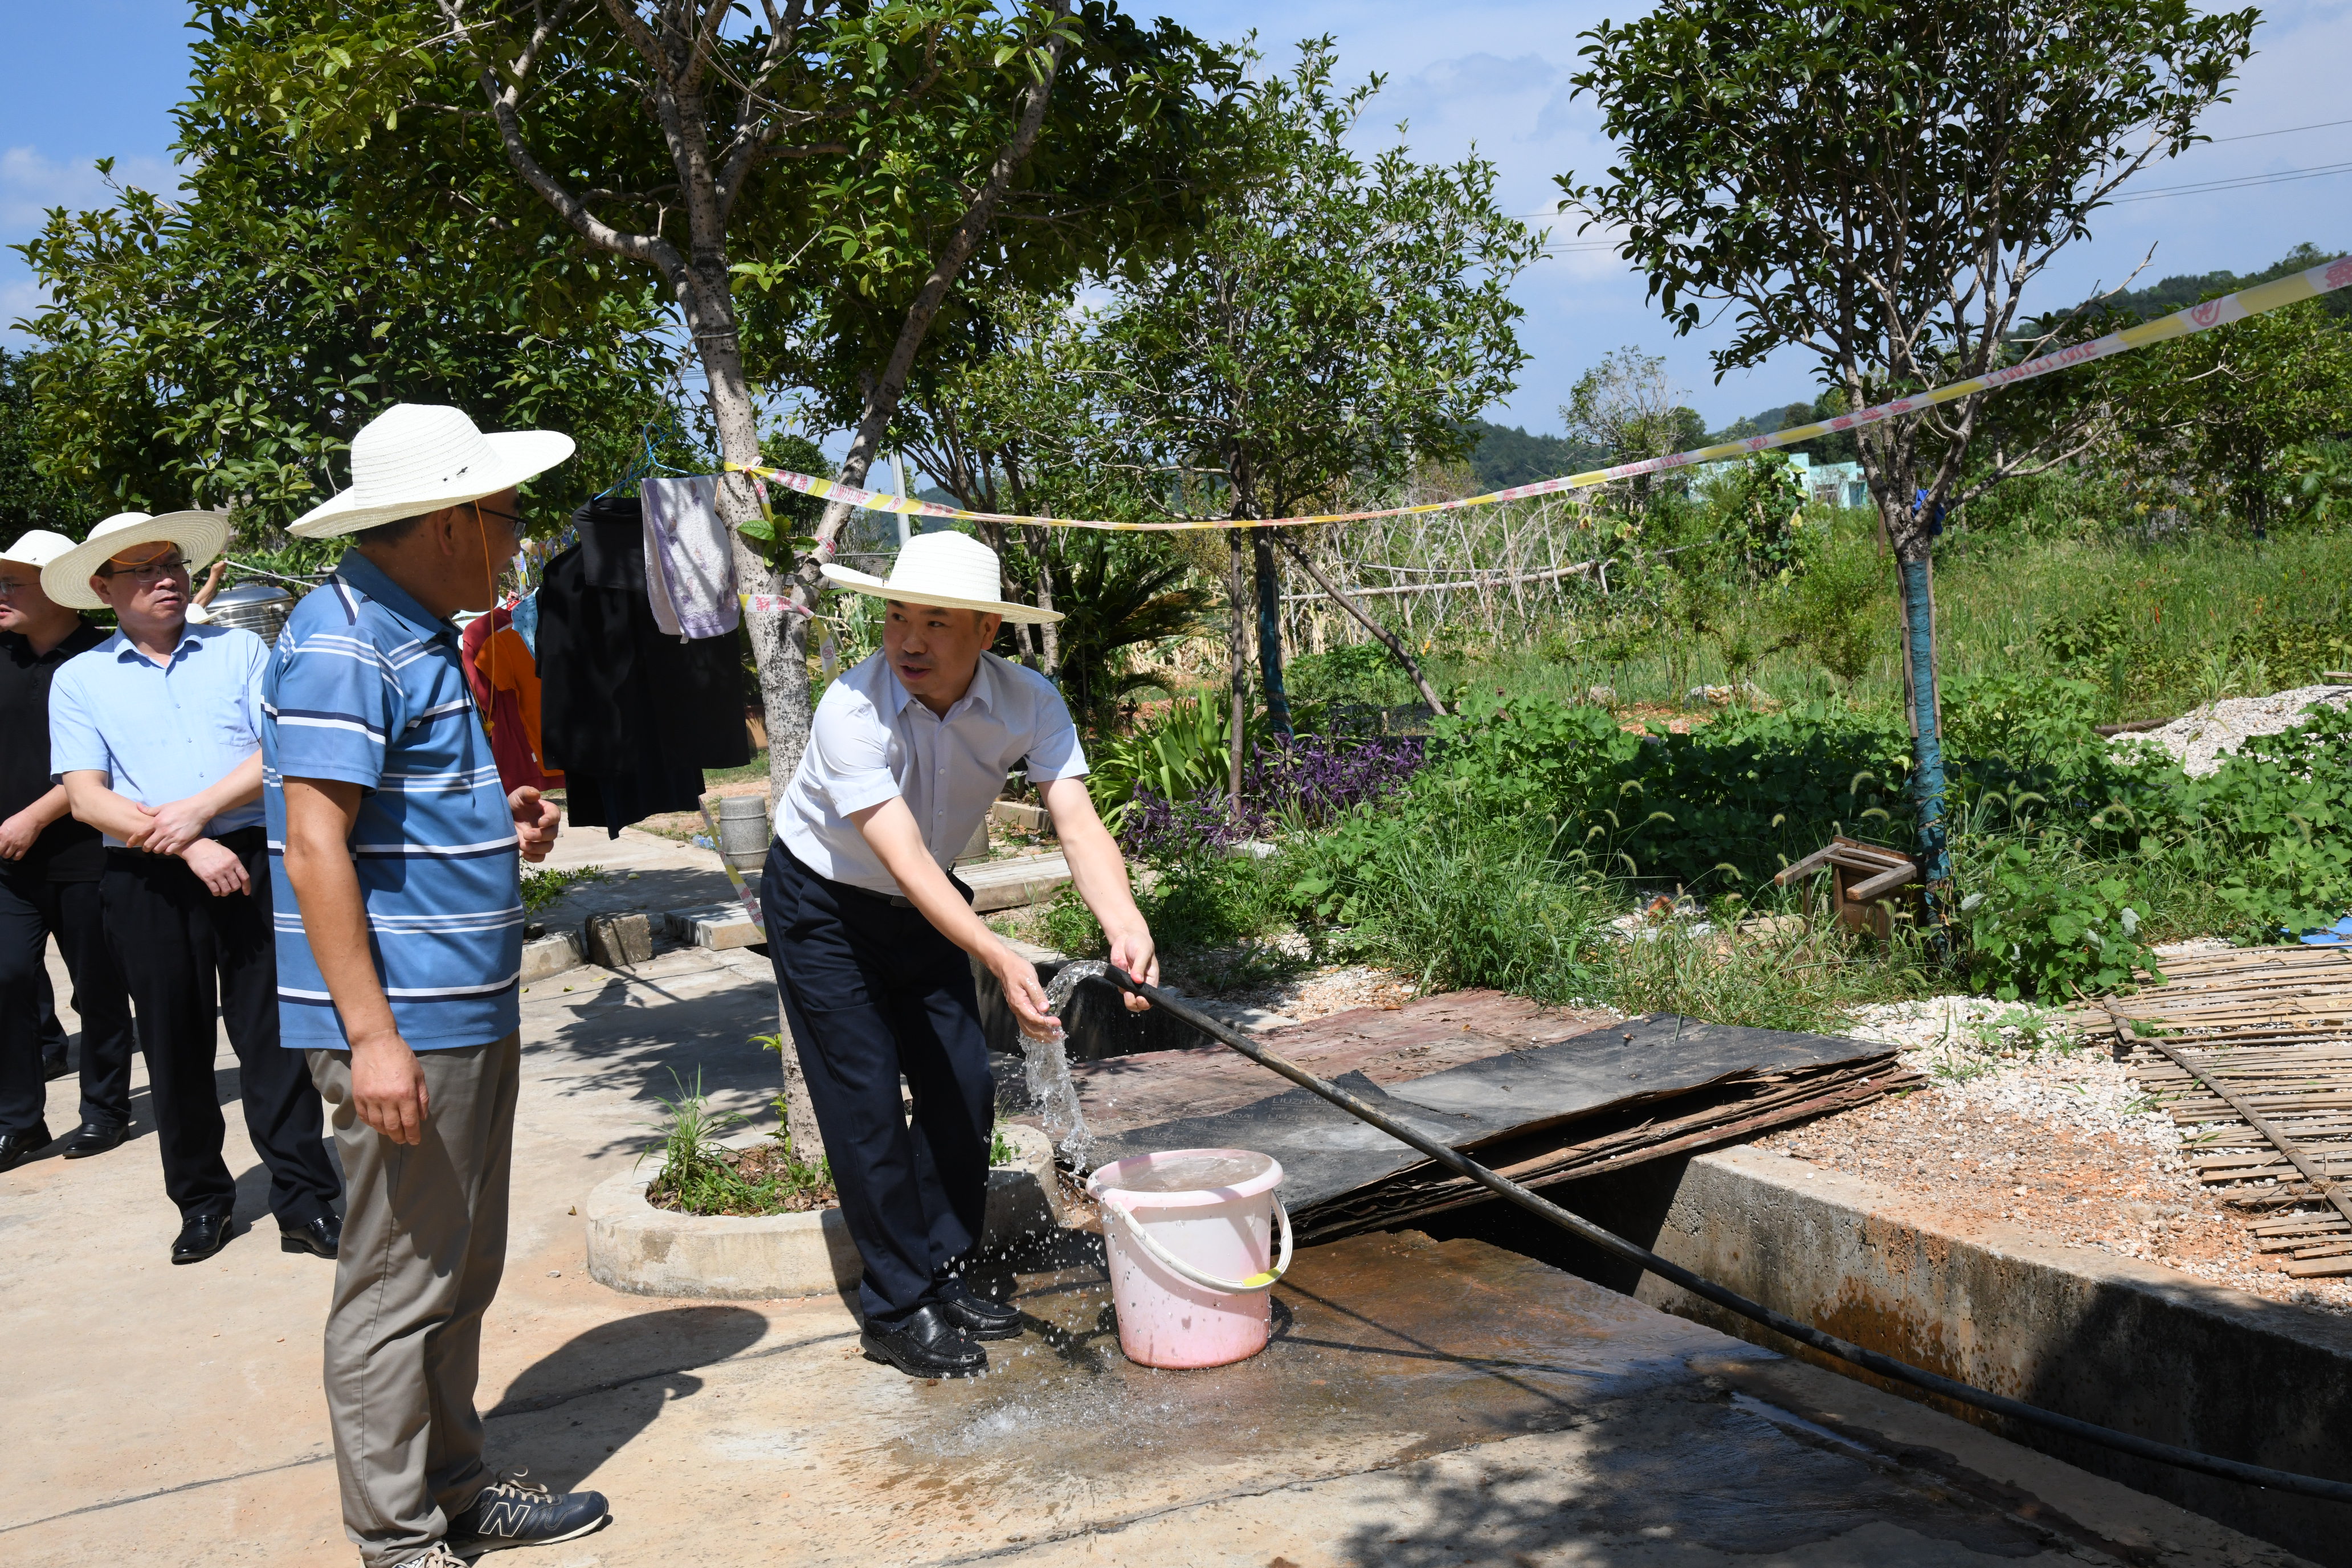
x=31, y=184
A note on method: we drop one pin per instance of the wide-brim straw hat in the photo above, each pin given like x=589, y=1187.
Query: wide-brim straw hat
x=36, y=549
x=65, y=578
x=951, y=570
x=416, y=457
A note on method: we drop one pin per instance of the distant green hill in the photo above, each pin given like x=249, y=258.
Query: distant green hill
x=2184, y=289
x=1837, y=448
x=1506, y=455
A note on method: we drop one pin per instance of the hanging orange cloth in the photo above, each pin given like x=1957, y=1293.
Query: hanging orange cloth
x=504, y=677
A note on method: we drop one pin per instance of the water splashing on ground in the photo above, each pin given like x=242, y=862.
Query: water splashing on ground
x=1047, y=1067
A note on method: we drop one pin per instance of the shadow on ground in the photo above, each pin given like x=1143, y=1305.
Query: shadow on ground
x=630, y=1044
x=632, y=1368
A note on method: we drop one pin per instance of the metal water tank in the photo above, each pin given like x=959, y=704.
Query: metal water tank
x=261, y=608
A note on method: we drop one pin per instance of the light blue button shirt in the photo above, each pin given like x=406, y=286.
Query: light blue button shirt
x=161, y=732
x=871, y=740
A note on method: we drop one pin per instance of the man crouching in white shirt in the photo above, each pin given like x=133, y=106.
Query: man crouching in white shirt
x=868, y=932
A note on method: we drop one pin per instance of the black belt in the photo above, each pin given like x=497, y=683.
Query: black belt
x=896, y=901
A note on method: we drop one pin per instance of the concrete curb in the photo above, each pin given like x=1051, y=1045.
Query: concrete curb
x=639, y=1250
x=550, y=955
x=2129, y=1345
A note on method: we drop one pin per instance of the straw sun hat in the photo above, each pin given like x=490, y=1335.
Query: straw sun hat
x=36, y=549
x=416, y=457
x=65, y=577
x=953, y=571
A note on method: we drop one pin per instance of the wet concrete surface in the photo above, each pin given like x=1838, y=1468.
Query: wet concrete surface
x=1422, y=1403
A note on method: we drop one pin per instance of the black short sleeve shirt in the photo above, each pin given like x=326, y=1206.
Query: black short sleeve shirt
x=66, y=851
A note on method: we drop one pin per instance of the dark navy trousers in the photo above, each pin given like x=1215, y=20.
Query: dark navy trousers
x=30, y=910
x=194, y=964
x=871, y=990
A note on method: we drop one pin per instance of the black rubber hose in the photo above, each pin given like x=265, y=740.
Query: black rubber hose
x=1698, y=1285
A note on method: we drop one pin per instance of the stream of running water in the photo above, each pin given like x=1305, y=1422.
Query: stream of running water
x=1047, y=1069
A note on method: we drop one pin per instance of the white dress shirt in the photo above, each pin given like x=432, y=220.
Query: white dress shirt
x=872, y=740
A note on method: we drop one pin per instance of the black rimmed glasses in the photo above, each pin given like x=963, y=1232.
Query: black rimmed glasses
x=172, y=565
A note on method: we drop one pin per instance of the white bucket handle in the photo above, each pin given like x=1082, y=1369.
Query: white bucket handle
x=1177, y=1266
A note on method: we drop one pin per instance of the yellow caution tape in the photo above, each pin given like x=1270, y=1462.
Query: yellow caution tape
x=2305, y=285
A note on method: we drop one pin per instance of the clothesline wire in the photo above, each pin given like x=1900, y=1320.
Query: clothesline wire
x=312, y=581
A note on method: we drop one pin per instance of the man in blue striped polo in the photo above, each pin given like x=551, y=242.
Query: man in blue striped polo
x=399, y=948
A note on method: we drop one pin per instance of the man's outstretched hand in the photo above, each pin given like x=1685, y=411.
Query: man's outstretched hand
x=1023, y=994
x=537, y=821
x=1134, y=953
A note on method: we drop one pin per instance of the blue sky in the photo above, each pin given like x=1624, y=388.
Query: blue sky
x=98, y=79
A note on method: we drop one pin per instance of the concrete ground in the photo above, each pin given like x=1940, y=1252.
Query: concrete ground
x=1422, y=1403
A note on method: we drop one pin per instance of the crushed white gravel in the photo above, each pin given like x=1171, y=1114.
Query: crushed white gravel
x=2202, y=739
x=2015, y=1058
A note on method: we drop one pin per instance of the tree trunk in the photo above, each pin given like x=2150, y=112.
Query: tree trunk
x=1269, y=632
x=884, y=392
x=779, y=639
x=1237, y=641
x=1049, y=633
x=1915, y=576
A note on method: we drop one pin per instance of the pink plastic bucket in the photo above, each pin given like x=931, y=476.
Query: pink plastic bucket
x=1190, y=1234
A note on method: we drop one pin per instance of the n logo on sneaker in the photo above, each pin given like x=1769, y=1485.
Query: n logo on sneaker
x=507, y=1519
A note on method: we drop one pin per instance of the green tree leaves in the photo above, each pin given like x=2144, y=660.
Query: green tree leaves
x=220, y=346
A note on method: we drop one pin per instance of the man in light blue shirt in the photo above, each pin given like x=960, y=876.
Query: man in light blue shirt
x=156, y=735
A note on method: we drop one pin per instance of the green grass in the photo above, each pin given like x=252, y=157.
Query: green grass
x=1804, y=978
x=2174, y=610
x=700, y=1176
x=542, y=885
x=757, y=768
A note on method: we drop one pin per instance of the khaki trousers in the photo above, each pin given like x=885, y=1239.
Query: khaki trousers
x=425, y=1241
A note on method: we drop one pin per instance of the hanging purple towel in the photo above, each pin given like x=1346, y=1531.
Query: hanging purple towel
x=690, y=560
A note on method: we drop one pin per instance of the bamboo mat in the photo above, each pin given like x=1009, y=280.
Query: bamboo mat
x=2250, y=1052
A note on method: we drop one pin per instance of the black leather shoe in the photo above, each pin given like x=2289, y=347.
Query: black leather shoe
x=322, y=1236
x=201, y=1236
x=89, y=1138
x=54, y=1069
x=979, y=1317
x=15, y=1148
x=927, y=1344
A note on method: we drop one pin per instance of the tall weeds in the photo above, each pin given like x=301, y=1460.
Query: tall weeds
x=1488, y=905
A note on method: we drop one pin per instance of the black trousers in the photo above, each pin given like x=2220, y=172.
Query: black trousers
x=53, y=1033
x=189, y=958
x=872, y=990
x=30, y=911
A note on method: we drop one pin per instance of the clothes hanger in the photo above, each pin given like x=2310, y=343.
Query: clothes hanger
x=645, y=465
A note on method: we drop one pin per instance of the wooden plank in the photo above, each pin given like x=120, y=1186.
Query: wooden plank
x=1813, y=862
x=1885, y=882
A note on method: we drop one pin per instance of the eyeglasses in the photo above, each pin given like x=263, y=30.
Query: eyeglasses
x=10, y=588
x=480, y=510
x=148, y=570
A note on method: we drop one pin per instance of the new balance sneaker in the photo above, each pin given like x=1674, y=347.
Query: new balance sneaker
x=511, y=1511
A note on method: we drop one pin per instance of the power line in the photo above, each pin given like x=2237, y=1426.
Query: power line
x=2235, y=183
x=2283, y=130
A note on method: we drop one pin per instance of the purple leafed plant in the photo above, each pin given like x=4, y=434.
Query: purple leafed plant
x=1306, y=782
